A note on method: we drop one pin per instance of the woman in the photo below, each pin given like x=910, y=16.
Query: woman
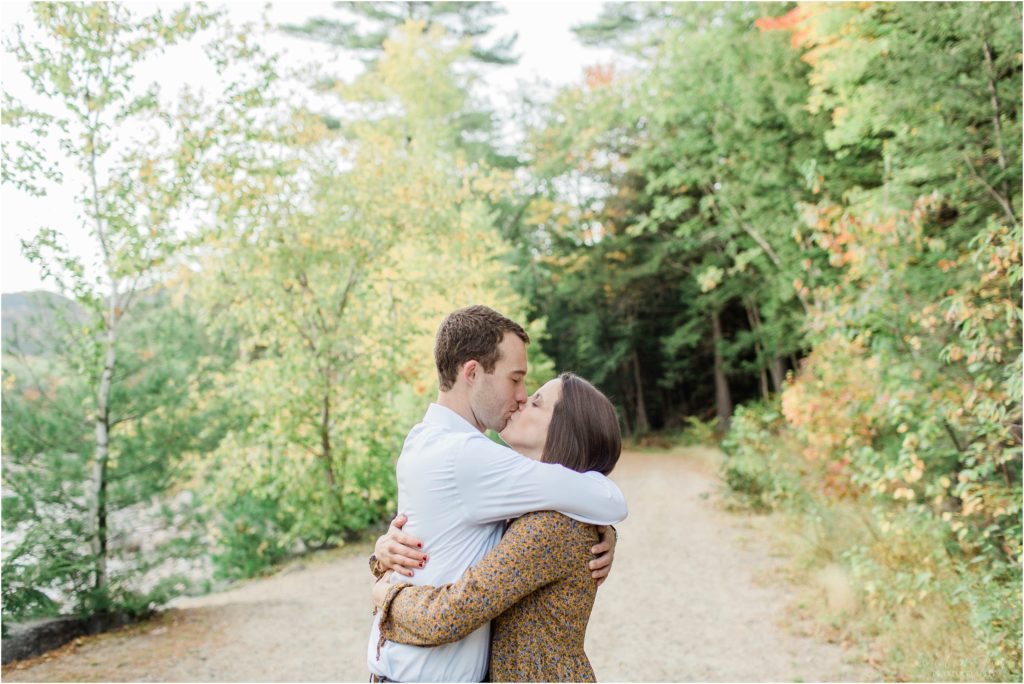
x=535, y=584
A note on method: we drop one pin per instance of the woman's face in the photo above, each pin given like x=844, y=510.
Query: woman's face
x=527, y=428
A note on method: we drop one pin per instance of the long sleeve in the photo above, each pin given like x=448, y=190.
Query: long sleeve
x=533, y=553
x=496, y=483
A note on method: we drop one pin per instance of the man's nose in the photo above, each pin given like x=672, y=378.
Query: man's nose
x=521, y=396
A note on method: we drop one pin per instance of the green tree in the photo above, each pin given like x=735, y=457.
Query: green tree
x=692, y=207
x=335, y=256
x=166, y=366
x=371, y=23
x=83, y=64
x=909, y=402
x=368, y=26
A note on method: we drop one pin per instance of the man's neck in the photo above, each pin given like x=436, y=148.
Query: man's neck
x=460, y=404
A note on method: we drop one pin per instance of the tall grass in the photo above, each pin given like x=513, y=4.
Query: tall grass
x=891, y=579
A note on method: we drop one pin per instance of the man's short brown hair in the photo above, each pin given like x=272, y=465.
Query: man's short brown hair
x=472, y=333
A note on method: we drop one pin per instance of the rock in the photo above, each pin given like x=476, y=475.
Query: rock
x=29, y=639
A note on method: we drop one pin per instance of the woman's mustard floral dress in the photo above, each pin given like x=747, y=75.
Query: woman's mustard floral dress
x=536, y=587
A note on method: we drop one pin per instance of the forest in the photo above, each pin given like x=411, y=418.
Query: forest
x=792, y=230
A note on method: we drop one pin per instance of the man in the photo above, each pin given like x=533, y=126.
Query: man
x=458, y=488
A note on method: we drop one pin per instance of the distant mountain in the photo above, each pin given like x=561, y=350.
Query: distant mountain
x=29, y=320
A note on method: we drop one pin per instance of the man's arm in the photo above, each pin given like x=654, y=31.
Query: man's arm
x=400, y=552
x=496, y=483
x=605, y=552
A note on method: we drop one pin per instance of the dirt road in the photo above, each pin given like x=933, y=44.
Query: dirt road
x=694, y=596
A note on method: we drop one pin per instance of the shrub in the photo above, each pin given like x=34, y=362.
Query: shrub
x=907, y=413
x=754, y=468
x=251, y=536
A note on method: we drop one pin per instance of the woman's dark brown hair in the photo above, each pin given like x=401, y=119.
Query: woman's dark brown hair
x=584, y=431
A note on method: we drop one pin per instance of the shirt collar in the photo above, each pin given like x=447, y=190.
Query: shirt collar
x=445, y=417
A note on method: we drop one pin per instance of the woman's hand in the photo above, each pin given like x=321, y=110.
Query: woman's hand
x=605, y=552
x=380, y=589
x=399, y=551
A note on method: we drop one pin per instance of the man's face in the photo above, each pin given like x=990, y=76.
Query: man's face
x=496, y=396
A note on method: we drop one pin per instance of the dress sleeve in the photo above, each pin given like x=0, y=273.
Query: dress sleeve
x=533, y=553
x=496, y=483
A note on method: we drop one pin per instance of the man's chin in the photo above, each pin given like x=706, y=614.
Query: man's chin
x=501, y=432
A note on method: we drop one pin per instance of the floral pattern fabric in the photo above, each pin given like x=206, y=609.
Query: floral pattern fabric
x=536, y=587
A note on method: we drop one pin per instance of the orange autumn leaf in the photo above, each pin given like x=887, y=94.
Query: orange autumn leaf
x=790, y=21
x=599, y=76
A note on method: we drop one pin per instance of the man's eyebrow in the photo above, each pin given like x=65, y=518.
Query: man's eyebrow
x=518, y=372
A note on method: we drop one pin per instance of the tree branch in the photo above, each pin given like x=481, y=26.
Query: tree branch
x=759, y=239
x=994, y=99
x=1003, y=202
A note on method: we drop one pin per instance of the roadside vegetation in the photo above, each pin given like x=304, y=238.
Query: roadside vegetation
x=791, y=229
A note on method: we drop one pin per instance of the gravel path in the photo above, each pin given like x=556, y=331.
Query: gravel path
x=694, y=596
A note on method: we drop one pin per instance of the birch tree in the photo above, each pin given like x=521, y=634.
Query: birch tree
x=82, y=61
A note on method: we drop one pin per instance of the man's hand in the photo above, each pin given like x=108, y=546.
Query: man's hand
x=399, y=551
x=605, y=552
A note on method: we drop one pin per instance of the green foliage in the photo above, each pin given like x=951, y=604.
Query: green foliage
x=696, y=431
x=797, y=178
x=462, y=29
x=376, y=21
x=931, y=611
x=251, y=536
x=48, y=446
x=334, y=280
x=754, y=468
x=900, y=417
x=908, y=267
x=95, y=429
x=762, y=209
x=696, y=166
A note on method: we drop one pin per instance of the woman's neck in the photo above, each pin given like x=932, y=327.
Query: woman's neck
x=534, y=453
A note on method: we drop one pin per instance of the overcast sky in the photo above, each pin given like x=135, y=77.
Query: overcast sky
x=550, y=55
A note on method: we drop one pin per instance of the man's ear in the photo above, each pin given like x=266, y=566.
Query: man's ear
x=469, y=371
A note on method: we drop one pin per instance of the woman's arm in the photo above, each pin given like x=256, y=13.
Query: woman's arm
x=533, y=553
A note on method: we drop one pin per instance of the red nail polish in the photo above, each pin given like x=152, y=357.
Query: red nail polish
x=421, y=564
